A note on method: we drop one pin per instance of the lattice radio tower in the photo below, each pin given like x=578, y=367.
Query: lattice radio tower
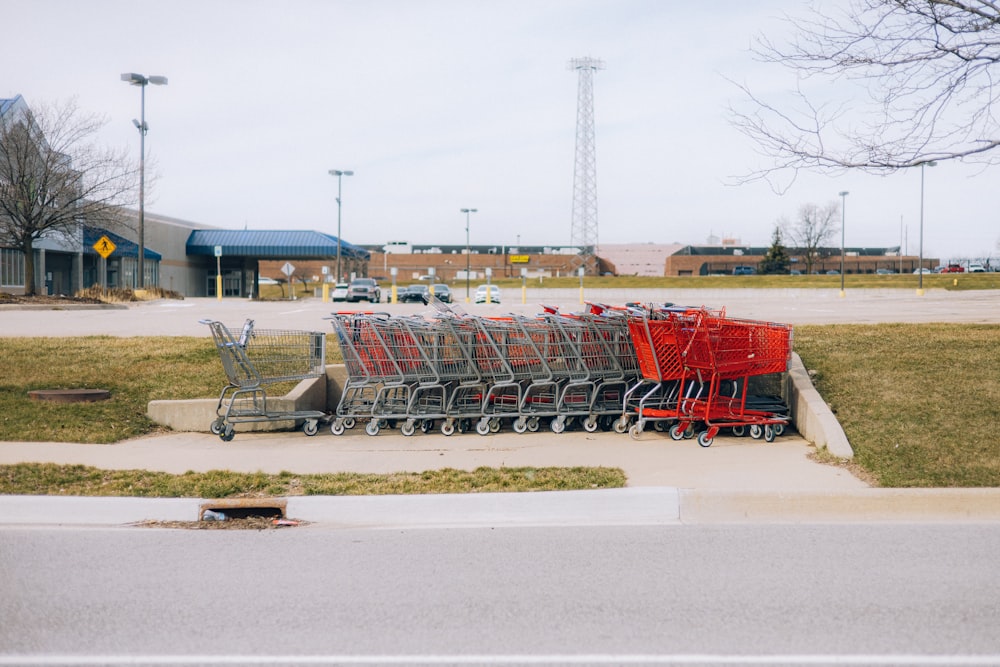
x=584, y=224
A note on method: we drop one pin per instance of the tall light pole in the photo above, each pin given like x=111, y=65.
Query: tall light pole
x=843, y=219
x=468, y=251
x=920, y=265
x=141, y=81
x=340, y=175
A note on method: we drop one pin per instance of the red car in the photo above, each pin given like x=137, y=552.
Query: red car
x=953, y=268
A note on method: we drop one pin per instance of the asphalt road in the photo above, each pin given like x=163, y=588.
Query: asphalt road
x=737, y=595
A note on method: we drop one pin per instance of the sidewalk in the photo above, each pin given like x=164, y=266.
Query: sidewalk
x=669, y=482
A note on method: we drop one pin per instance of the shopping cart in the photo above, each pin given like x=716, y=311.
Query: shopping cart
x=701, y=361
x=255, y=358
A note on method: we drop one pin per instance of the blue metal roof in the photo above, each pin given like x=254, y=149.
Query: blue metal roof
x=123, y=247
x=272, y=244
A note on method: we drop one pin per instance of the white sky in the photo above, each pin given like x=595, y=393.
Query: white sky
x=438, y=105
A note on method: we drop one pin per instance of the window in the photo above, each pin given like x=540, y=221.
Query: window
x=11, y=268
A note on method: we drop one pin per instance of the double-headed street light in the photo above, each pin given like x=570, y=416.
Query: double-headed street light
x=340, y=175
x=468, y=251
x=920, y=266
x=141, y=81
x=843, y=216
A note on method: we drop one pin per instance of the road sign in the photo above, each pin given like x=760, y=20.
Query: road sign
x=218, y=251
x=104, y=246
x=288, y=269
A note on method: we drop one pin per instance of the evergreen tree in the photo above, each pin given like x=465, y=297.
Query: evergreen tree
x=776, y=261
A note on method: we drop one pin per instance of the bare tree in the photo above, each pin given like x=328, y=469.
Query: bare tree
x=52, y=179
x=925, y=75
x=815, y=226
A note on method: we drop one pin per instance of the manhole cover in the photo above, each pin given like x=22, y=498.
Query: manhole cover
x=70, y=395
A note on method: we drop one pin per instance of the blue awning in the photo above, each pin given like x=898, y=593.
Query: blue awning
x=123, y=247
x=272, y=244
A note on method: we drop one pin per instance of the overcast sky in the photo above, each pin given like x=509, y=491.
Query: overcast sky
x=438, y=105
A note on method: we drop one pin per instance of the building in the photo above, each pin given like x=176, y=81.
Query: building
x=717, y=260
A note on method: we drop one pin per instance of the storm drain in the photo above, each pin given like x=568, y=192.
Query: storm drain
x=242, y=508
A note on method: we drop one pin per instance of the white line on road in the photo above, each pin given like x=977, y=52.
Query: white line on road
x=805, y=660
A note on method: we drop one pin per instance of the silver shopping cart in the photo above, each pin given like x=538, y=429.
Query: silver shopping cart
x=255, y=358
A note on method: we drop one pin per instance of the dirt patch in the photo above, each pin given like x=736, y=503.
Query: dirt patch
x=45, y=300
x=248, y=523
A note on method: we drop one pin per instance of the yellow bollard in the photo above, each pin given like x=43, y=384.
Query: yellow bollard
x=326, y=292
x=218, y=286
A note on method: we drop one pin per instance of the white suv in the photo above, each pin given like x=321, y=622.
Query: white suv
x=363, y=289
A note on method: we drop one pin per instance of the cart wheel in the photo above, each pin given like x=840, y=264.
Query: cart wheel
x=768, y=433
x=426, y=426
x=495, y=425
x=739, y=431
x=533, y=424
x=408, y=428
x=704, y=440
x=558, y=425
x=337, y=427
x=689, y=431
x=756, y=431
x=590, y=424
x=447, y=427
x=779, y=430
x=620, y=425
x=520, y=425
x=350, y=422
x=371, y=428
x=483, y=426
x=217, y=426
x=311, y=427
x=677, y=431
x=635, y=431
x=228, y=433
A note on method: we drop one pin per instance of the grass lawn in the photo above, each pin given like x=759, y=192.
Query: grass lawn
x=920, y=403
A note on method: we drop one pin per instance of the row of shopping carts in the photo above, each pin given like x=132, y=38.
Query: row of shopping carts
x=467, y=372
x=686, y=370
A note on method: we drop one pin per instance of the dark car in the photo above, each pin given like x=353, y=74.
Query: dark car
x=442, y=292
x=364, y=289
x=744, y=270
x=414, y=294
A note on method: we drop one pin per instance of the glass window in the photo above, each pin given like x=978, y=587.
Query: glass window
x=11, y=267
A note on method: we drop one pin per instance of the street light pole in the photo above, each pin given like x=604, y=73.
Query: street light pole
x=468, y=251
x=843, y=220
x=142, y=81
x=339, y=174
x=920, y=265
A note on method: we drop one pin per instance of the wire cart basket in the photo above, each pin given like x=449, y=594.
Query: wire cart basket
x=255, y=358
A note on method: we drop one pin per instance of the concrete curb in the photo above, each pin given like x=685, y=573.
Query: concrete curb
x=810, y=414
x=638, y=506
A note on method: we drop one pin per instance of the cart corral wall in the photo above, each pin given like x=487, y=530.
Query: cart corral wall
x=811, y=416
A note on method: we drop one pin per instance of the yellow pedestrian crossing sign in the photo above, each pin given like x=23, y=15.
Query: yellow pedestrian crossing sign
x=104, y=246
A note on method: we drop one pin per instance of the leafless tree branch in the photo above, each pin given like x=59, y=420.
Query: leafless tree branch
x=913, y=82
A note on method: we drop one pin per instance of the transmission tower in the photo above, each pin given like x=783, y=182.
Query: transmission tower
x=584, y=224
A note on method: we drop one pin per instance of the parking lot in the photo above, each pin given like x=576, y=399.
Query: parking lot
x=170, y=317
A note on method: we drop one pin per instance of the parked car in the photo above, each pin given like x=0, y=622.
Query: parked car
x=492, y=290
x=414, y=294
x=977, y=268
x=833, y=272
x=744, y=270
x=264, y=280
x=924, y=271
x=953, y=268
x=363, y=289
x=339, y=292
x=442, y=292
x=884, y=272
